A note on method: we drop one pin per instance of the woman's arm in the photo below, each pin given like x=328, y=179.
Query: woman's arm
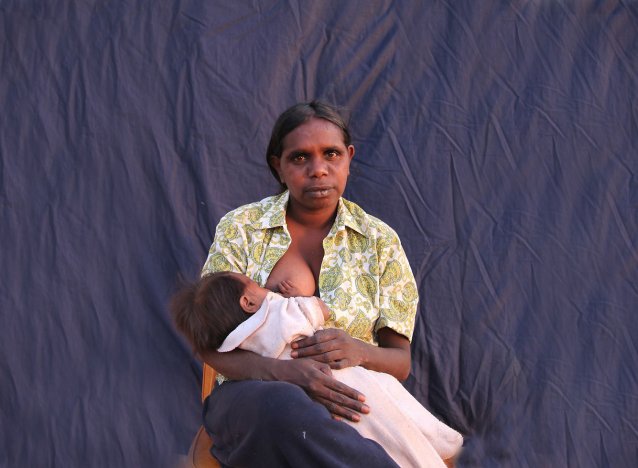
x=338, y=349
x=313, y=376
x=392, y=356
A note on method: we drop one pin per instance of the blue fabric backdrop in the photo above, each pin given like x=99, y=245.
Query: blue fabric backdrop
x=498, y=138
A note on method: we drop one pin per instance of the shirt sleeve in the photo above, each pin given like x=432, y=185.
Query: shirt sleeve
x=398, y=295
x=229, y=249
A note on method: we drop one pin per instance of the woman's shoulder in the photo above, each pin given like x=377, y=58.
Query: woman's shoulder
x=253, y=212
x=370, y=225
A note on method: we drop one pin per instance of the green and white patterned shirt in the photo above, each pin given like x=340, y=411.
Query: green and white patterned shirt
x=365, y=277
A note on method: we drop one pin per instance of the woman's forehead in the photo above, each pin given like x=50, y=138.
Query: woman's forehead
x=314, y=132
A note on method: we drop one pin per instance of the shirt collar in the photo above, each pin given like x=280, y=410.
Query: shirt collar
x=274, y=213
x=351, y=215
x=348, y=215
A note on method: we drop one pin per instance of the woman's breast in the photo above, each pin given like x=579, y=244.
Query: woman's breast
x=294, y=268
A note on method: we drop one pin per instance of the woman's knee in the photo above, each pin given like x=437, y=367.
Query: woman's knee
x=261, y=406
x=283, y=407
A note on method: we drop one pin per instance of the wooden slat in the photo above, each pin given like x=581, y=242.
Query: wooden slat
x=208, y=380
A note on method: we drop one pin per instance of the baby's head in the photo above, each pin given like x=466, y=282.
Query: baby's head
x=208, y=310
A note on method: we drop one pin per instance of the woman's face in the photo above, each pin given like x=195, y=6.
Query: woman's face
x=314, y=164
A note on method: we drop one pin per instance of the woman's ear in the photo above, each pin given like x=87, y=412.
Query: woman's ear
x=350, y=149
x=275, y=163
x=248, y=305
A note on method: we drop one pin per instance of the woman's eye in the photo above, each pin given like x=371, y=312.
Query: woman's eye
x=299, y=157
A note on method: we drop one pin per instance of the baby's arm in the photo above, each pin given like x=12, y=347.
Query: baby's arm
x=324, y=309
x=288, y=289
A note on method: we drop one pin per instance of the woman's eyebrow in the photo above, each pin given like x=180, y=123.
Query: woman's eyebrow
x=296, y=149
x=305, y=150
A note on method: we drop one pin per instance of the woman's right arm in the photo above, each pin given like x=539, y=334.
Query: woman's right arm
x=314, y=377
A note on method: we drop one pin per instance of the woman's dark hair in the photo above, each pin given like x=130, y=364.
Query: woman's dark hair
x=299, y=114
x=205, y=312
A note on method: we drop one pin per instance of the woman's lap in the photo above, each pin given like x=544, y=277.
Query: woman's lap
x=256, y=423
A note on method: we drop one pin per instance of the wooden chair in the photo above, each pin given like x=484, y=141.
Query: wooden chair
x=199, y=455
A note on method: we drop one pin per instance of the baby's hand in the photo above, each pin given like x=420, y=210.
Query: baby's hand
x=288, y=289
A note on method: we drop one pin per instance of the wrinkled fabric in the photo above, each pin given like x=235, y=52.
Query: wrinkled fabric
x=497, y=138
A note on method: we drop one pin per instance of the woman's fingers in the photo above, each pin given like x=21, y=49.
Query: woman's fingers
x=343, y=401
x=321, y=342
x=331, y=346
x=344, y=395
x=341, y=364
x=339, y=412
x=315, y=378
x=319, y=337
x=335, y=359
x=314, y=350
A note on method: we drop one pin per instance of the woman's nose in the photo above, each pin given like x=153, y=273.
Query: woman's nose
x=317, y=167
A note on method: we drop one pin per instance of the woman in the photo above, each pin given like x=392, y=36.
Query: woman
x=272, y=412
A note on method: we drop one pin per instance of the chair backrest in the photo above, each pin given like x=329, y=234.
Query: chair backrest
x=208, y=380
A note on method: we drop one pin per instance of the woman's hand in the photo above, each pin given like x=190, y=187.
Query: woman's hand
x=317, y=381
x=338, y=349
x=314, y=377
x=332, y=346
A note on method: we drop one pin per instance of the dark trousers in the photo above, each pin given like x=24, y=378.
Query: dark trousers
x=275, y=424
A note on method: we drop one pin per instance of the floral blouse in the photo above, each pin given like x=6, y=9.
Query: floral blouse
x=365, y=277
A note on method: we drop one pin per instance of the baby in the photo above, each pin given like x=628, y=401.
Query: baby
x=227, y=310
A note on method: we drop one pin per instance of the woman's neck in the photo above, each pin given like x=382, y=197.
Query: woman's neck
x=313, y=219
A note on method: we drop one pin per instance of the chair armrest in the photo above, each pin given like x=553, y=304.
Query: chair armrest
x=208, y=380
x=199, y=453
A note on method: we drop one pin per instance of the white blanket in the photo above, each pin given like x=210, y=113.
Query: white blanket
x=408, y=432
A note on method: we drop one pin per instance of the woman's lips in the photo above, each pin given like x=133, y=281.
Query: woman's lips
x=318, y=192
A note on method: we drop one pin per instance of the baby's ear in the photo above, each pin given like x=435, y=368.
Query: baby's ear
x=248, y=305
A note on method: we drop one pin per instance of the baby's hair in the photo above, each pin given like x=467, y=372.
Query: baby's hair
x=205, y=312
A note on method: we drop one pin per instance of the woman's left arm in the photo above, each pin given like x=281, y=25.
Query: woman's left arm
x=392, y=356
